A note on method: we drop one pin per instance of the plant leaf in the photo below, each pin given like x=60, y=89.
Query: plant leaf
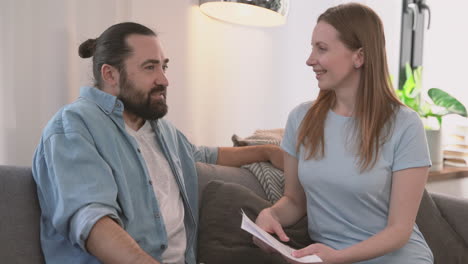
x=425, y=109
x=417, y=76
x=443, y=99
x=409, y=84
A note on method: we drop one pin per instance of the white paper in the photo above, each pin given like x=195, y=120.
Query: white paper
x=285, y=250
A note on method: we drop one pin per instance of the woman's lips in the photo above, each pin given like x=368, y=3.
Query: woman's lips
x=319, y=73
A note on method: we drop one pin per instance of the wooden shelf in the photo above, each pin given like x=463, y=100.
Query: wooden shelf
x=448, y=173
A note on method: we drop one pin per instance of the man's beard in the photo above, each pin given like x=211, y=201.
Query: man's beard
x=139, y=104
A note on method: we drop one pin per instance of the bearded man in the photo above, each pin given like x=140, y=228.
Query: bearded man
x=116, y=182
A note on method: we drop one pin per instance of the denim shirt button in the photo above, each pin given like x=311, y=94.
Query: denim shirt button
x=156, y=215
x=150, y=182
x=138, y=149
x=163, y=246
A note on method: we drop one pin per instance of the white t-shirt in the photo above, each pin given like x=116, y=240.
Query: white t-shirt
x=167, y=193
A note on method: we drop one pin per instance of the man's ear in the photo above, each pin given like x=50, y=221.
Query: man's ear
x=110, y=75
x=358, y=58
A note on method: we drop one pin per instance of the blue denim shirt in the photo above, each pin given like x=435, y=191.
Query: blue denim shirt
x=86, y=166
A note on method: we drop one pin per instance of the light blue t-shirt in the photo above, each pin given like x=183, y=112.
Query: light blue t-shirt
x=346, y=206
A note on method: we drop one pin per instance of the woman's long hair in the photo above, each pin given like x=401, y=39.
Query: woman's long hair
x=376, y=103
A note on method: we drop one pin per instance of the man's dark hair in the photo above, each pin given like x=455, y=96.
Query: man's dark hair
x=111, y=47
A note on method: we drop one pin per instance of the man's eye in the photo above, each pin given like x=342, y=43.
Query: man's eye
x=165, y=67
x=150, y=67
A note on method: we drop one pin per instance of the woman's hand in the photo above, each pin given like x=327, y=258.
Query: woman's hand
x=268, y=221
x=327, y=254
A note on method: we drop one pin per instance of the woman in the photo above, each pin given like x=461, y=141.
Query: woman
x=356, y=159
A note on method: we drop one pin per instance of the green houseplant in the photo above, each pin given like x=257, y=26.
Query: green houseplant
x=442, y=104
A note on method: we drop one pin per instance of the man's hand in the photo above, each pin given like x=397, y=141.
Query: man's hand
x=275, y=156
x=238, y=156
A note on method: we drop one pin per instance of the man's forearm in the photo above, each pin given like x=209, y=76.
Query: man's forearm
x=238, y=156
x=111, y=244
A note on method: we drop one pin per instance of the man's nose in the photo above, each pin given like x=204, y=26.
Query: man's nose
x=162, y=80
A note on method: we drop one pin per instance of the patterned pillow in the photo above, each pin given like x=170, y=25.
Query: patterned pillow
x=271, y=178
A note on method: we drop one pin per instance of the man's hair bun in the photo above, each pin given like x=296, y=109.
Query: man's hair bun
x=87, y=48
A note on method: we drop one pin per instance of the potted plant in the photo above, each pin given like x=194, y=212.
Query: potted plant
x=442, y=104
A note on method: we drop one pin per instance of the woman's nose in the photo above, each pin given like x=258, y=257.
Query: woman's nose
x=311, y=60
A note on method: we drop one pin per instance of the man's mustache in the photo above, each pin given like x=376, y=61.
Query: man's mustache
x=158, y=89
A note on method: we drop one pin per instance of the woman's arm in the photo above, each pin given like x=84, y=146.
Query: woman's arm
x=407, y=190
x=292, y=206
x=289, y=209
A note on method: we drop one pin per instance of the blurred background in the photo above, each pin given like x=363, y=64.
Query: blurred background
x=224, y=78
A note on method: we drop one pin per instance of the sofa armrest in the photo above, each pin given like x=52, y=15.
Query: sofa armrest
x=455, y=212
x=19, y=217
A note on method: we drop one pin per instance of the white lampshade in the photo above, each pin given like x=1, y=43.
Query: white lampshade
x=265, y=13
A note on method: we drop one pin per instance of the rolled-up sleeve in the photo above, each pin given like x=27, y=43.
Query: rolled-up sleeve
x=85, y=218
x=76, y=186
x=202, y=154
x=205, y=154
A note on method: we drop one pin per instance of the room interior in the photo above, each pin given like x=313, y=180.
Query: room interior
x=224, y=78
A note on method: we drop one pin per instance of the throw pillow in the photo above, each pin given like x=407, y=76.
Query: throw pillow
x=260, y=137
x=271, y=178
x=221, y=240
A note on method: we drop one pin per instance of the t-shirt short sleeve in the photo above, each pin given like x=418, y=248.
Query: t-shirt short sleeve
x=411, y=150
x=295, y=118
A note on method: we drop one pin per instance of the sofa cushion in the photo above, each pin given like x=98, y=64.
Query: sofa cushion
x=446, y=245
x=210, y=172
x=221, y=240
x=19, y=222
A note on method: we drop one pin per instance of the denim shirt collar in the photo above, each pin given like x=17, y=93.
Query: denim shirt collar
x=107, y=102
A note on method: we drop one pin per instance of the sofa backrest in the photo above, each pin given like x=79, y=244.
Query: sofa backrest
x=20, y=214
x=20, y=211
x=19, y=217
x=210, y=172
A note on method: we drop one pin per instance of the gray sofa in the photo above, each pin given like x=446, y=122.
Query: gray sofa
x=442, y=219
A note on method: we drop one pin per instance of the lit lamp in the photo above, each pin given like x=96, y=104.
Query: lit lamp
x=265, y=13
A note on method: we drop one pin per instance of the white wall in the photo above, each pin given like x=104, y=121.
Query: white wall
x=246, y=78
x=446, y=54
x=224, y=78
x=33, y=62
x=445, y=58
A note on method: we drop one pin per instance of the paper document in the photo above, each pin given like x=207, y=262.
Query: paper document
x=264, y=236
